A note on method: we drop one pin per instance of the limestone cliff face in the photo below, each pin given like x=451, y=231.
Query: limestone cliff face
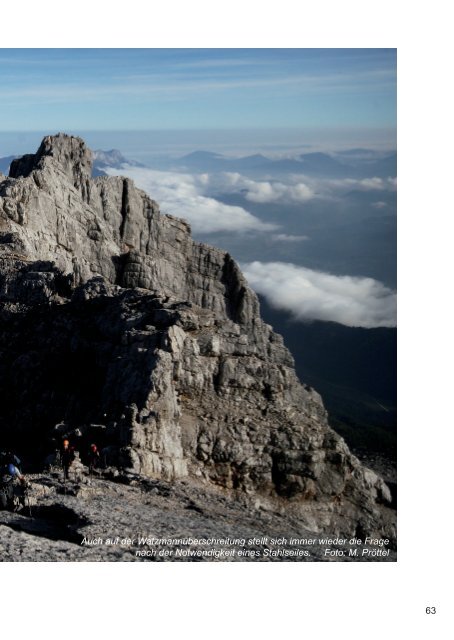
x=108, y=227
x=112, y=315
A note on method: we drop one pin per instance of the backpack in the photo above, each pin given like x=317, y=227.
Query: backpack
x=6, y=458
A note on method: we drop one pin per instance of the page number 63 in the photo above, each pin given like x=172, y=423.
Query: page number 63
x=431, y=610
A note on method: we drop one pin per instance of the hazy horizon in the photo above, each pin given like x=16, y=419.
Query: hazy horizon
x=149, y=144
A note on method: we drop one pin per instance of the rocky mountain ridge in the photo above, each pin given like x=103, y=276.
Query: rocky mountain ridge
x=111, y=315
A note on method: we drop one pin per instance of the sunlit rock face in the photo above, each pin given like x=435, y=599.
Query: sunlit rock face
x=111, y=315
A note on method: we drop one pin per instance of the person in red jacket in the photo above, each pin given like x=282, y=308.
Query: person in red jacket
x=93, y=458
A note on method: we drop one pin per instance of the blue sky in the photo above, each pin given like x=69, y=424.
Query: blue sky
x=137, y=89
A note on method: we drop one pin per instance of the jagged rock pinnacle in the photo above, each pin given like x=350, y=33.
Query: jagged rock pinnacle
x=69, y=152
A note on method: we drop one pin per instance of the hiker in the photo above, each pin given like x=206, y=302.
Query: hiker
x=67, y=456
x=8, y=457
x=9, y=478
x=93, y=458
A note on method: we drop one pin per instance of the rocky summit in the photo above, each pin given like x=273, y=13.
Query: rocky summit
x=115, y=325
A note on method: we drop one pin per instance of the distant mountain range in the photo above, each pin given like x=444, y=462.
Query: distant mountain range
x=352, y=163
x=112, y=158
x=355, y=163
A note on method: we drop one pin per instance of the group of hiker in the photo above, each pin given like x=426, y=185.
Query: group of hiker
x=68, y=454
x=13, y=483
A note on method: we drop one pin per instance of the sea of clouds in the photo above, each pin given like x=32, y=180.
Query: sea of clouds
x=193, y=196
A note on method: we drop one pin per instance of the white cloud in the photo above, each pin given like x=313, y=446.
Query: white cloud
x=277, y=192
x=254, y=190
x=284, y=237
x=364, y=184
x=379, y=205
x=182, y=195
x=313, y=295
